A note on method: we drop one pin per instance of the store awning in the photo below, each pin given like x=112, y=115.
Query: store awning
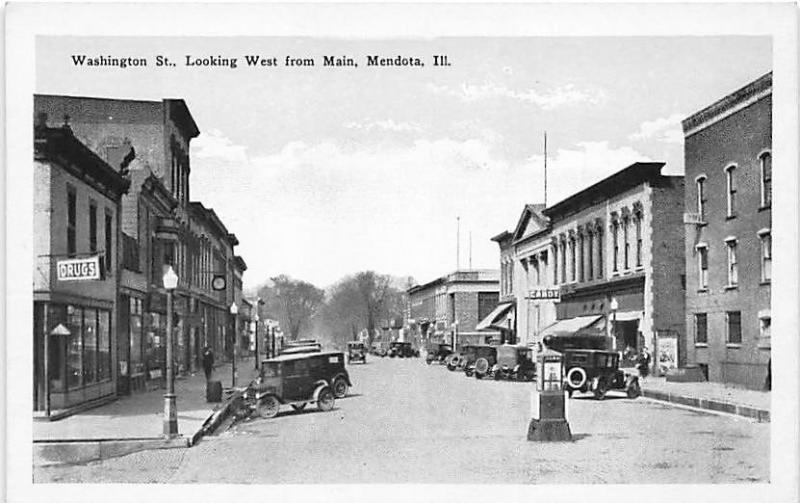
x=501, y=318
x=570, y=326
x=627, y=316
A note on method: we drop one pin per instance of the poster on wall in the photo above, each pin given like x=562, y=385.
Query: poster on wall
x=667, y=353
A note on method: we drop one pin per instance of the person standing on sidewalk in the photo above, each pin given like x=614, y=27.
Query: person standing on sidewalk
x=208, y=362
x=643, y=363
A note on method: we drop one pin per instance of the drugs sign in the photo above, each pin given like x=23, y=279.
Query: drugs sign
x=79, y=269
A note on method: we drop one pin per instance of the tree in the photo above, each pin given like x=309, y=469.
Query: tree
x=358, y=302
x=293, y=302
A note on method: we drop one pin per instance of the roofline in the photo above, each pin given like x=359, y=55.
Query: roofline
x=636, y=173
x=728, y=105
x=501, y=236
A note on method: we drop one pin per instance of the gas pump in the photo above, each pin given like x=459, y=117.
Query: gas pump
x=549, y=400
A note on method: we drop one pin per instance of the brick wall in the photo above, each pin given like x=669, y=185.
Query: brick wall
x=737, y=139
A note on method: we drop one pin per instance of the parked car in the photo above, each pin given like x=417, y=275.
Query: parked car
x=455, y=361
x=356, y=351
x=479, y=359
x=597, y=371
x=438, y=353
x=514, y=363
x=402, y=350
x=296, y=380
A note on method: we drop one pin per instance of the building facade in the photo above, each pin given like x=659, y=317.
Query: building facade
x=449, y=309
x=148, y=142
x=526, y=283
x=728, y=251
x=617, y=260
x=77, y=201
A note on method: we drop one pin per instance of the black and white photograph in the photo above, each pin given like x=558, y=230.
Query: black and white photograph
x=341, y=252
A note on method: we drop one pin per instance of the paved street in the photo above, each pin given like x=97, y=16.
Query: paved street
x=408, y=422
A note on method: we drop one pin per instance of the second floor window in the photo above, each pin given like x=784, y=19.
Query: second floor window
x=72, y=212
x=627, y=244
x=615, y=237
x=730, y=181
x=109, y=243
x=734, y=327
x=733, y=266
x=638, y=240
x=701, y=197
x=766, y=257
x=766, y=179
x=702, y=267
x=92, y=227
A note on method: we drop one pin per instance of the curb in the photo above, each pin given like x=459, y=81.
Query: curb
x=761, y=415
x=215, y=419
x=59, y=452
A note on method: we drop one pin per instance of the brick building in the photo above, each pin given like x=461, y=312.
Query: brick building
x=77, y=198
x=449, y=308
x=620, y=239
x=148, y=142
x=728, y=235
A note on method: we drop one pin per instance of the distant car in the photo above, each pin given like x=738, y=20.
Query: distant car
x=438, y=353
x=402, y=350
x=597, y=371
x=479, y=360
x=513, y=363
x=297, y=380
x=356, y=352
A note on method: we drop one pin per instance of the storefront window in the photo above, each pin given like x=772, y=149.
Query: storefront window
x=136, y=362
x=103, y=346
x=74, y=355
x=154, y=345
x=89, y=346
x=56, y=314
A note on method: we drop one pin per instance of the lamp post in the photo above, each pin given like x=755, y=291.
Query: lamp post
x=614, y=305
x=170, y=408
x=234, y=312
x=256, y=336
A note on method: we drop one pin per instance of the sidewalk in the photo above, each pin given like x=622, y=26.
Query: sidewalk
x=711, y=396
x=135, y=420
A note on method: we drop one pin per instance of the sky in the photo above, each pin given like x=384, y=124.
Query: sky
x=322, y=172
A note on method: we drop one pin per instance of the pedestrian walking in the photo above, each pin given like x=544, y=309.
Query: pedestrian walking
x=208, y=362
x=643, y=363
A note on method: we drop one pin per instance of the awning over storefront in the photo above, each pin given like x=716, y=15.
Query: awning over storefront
x=627, y=316
x=570, y=326
x=501, y=318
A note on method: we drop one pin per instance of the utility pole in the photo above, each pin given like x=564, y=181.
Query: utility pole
x=458, y=243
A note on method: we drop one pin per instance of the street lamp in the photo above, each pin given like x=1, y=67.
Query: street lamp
x=234, y=312
x=170, y=408
x=255, y=318
x=614, y=305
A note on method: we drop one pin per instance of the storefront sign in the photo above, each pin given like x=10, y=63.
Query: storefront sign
x=544, y=294
x=667, y=357
x=79, y=269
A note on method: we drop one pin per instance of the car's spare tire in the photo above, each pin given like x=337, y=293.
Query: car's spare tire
x=576, y=377
x=481, y=366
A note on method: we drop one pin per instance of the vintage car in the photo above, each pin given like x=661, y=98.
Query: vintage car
x=295, y=350
x=297, y=380
x=513, y=363
x=455, y=361
x=356, y=352
x=438, y=353
x=401, y=350
x=479, y=359
x=597, y=371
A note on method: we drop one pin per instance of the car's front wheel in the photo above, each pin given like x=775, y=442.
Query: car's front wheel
x=325, y=399
x=633, y=390
x=268, y=407
x=340, y=387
